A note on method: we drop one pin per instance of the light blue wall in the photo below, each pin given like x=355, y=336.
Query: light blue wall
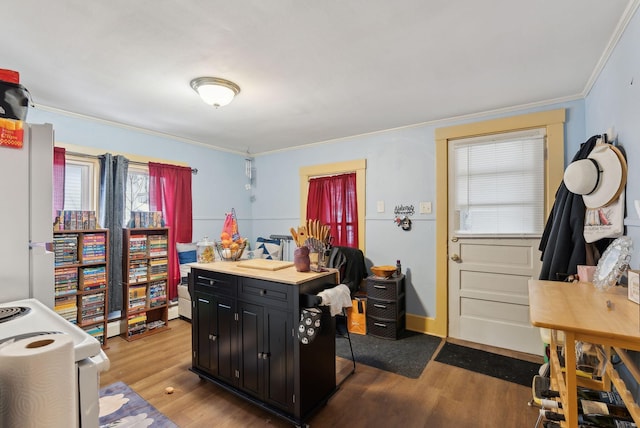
x=614, y=102
x=217, y=187
x=400, y=171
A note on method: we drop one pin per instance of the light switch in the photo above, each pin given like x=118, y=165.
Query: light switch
x=425, y=207
x=380, y=206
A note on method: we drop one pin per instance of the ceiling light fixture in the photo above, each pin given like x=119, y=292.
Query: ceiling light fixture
x=215, y=91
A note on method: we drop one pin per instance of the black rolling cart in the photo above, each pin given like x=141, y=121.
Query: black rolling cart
x=386, y=308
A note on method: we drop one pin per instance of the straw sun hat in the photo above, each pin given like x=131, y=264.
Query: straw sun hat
x=600, y=178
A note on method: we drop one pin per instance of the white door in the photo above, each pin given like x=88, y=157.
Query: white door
x=488, y=292
x=491, y=255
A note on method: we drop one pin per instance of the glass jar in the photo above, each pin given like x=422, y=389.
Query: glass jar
x=205, y=251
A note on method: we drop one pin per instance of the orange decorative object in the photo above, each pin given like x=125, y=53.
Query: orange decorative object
x=383, y=271
x=11, y=133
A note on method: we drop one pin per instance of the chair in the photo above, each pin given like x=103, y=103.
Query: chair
x=308, y=302
x=342, y=330
x=350, y=264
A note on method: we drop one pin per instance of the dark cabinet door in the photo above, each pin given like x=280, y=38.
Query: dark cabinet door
x=215, y=331
x=224, y=345
x=265, y=337
x=279, y=367
x=203, y=331
x=251, y=344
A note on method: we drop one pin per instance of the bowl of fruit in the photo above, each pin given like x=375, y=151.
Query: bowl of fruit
x=230, y=249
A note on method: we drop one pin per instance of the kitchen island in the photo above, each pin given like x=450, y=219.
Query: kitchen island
x=244, y=335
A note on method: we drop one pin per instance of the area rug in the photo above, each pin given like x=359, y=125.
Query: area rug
x=121, y=407
x=494, y=365
x=406, y=356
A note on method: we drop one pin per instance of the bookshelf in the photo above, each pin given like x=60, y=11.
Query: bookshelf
x=81, y=272
x=144, y=270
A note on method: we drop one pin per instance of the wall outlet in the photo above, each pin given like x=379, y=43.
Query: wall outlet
x=380, y=206
x=425, y=207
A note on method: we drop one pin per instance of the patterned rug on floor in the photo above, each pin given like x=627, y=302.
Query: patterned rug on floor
x=121, y=407
x=406, y=356
x=488, y=363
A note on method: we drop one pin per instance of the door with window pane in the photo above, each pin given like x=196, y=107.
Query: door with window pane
x=496, y=217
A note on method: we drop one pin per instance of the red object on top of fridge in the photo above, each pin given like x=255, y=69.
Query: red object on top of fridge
x=9, y=76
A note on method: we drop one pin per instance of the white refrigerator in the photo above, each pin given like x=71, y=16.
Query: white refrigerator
x=26, y=226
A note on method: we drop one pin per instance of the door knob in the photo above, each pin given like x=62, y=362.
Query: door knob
x=455, y=258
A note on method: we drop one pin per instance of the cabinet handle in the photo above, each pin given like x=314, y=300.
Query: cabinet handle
x=265, y=355
x=260, y=355
x=263, y=292
x=224, y=306
x=379, y=306
x=203, y=300
x=212, y=281
x=380, y=324
x=213, y=337
x=380, y=287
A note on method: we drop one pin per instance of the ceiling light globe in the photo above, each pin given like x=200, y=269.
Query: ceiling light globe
x=215, y=91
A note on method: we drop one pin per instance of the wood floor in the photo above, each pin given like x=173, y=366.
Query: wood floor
x=443, y=396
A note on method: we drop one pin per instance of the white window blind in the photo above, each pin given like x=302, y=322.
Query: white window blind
x=78, y=185
x=499, y=183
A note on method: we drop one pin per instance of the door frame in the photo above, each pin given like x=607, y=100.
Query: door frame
x=552, y=120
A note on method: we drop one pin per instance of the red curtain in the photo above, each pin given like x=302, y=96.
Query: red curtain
x=59, y=160
x=170, y=192
x=333, y=201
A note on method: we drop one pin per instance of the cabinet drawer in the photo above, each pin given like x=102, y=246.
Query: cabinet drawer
x=385, y=329
x=384, y=309
x=385, y=289
x=265, y=292
x=214, y=282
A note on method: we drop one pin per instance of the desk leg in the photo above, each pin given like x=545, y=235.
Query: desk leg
x=571, y=405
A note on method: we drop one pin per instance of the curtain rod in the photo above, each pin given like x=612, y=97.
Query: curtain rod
x=194, y=171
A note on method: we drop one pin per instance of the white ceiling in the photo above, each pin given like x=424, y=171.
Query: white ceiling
x=310, y=71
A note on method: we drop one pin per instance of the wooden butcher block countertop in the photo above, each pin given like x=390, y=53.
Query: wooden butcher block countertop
x=270, y=270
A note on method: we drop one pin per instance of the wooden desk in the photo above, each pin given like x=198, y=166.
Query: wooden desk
x=585, y=314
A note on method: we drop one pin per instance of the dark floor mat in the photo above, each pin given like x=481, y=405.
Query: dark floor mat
x=406, y=356
x=488, y=363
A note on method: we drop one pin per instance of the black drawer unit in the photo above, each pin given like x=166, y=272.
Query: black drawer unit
x=386, y=306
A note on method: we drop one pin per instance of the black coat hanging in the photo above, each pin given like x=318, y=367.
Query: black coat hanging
x=562, y=244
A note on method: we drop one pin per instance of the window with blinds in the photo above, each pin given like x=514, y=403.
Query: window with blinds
x=78, y=185
x=499, y=183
